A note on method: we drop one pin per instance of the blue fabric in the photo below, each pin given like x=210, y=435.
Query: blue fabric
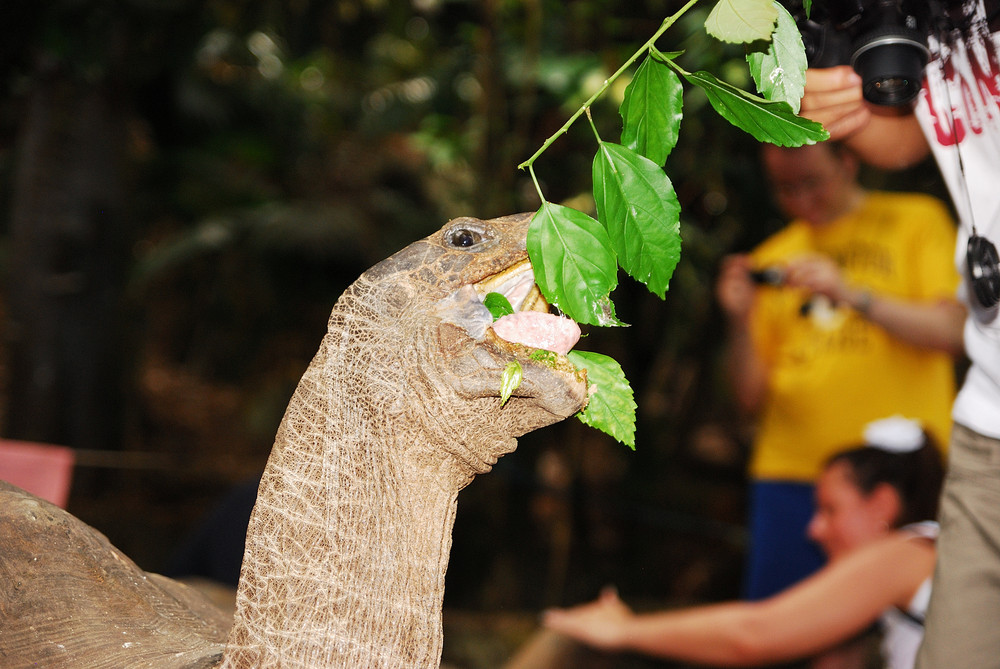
x=214, y=549
x=779, y=552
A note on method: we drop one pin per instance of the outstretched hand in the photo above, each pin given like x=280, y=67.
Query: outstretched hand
x=602, y=623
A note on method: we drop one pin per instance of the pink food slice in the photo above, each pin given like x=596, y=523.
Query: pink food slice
x=539, y=330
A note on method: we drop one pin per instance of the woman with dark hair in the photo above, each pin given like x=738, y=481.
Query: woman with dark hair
x=875, y=507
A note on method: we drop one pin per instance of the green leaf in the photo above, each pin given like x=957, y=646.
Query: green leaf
x=574, y=264
x=651, y=110
x=637, y=204
x=498, y=305
x=780, y=70
x=741, y=21
x=611, y=408
x=541, y=355
x=773, y=122
x=606, y=312
x=510, y=380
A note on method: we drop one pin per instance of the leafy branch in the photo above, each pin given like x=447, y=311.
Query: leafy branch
x=667, y=22
x=576, y=257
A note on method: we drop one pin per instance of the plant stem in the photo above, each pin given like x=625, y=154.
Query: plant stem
x=593, y=127
x=667, y=22
x=531, y=171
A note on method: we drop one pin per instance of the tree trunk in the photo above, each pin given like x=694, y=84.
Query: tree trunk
x=68, y=240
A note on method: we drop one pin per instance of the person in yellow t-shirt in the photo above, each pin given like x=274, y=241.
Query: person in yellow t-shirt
x=847, y=314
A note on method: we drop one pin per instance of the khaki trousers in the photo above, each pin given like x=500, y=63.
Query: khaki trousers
x=963, y=619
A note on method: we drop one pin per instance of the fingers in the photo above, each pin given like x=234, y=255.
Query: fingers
x=599, y=623
x=839, y=79
x=841, y=121
x=735, y=269
x=833, y=98
x=582, y=622
x=817, y=275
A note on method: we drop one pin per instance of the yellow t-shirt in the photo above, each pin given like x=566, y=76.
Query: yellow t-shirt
x=832, y=371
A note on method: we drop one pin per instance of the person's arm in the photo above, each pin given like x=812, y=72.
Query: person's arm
x=885, y=137
x=825, y=609
x=747, y=370
x=934, y=324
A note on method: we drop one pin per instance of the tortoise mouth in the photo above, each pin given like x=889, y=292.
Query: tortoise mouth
x=531, y=324
x=517, y=284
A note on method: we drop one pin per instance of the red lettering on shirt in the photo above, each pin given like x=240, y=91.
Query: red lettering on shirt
x=973, y=103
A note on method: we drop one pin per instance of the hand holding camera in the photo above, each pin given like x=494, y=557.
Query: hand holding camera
x=883, y=40
x=833, y=98
x=768, y=276
x=816, y=275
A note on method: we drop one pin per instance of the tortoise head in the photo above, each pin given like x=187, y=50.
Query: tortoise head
x=444, y=279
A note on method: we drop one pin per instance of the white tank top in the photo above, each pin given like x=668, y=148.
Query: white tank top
x=902, y=631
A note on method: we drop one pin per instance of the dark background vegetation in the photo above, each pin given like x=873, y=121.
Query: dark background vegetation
x=187, y=186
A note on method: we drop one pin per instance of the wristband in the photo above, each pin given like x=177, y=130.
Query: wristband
x=863, y=303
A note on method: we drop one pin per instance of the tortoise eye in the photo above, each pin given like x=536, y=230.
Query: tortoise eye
x=464, y=238
x=469, y=235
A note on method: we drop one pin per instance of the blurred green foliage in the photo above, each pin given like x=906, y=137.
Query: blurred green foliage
x=279, y=148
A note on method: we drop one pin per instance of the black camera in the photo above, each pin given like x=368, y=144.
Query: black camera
x=768, y=276
x=885, y=41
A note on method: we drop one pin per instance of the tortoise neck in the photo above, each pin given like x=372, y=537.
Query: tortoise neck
x=348, y=543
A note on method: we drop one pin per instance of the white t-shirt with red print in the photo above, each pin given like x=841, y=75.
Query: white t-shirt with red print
x=959, y=110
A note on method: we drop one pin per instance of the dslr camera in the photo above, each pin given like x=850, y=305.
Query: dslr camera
x=885, y=41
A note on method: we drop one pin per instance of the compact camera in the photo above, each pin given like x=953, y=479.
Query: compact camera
x=768, y=276
x=885, y=41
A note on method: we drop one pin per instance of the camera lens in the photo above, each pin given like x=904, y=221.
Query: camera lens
x=984, y=270
x=891, y=65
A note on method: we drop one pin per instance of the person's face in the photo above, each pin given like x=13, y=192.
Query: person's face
x=845, y=517
x=810, y=182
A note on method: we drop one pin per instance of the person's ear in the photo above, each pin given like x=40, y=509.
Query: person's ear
x=886, y=503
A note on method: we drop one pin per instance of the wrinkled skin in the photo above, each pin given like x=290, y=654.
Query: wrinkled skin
x=348, y=544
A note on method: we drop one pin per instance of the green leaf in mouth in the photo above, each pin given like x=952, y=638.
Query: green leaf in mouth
x=510, y=380
x=498, y=305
